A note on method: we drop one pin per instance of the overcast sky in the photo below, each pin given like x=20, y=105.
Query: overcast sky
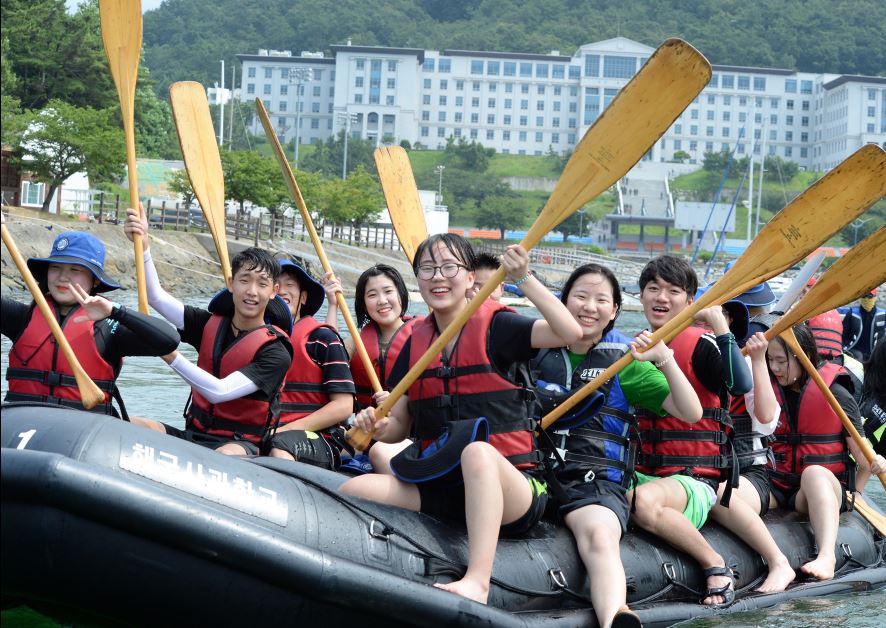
x=147, y=5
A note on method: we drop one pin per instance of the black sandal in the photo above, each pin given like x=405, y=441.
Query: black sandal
x=626, y=619
x=727, y=590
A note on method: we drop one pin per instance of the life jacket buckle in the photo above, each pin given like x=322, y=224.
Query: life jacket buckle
x=52, y=379
x=445, y=372
x=444, y=401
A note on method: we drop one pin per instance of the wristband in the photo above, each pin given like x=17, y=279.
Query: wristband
x=522, y=280
x=658, y=365
x=116, y=312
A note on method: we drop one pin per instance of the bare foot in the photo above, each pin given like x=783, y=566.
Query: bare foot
x=822, y=568
x=470, y=589
x=780, y=576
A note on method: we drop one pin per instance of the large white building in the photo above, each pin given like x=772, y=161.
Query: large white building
x=532, y=103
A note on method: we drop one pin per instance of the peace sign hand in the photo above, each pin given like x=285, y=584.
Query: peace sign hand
x=96, y=307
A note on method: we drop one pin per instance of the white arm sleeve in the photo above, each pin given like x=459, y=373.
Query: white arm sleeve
x=168, y=306
x=766, y=429
x=215, y=390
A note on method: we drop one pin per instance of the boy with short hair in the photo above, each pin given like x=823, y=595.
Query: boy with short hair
x=680, y=465
x=487, y=265
x=241, y=358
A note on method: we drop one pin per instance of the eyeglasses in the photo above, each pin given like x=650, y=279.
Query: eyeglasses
x=447, y=271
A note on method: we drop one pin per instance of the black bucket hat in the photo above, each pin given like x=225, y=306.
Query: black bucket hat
x=738, y=311
x=76, y=247
x=442, y=458
x=314, y=288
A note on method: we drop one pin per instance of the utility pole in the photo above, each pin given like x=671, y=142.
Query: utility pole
x=298, y=77
x=346, y=119
x=439, y=170
x=231, y=112
x=221, y=107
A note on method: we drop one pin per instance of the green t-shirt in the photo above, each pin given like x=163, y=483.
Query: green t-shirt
x=643, y=385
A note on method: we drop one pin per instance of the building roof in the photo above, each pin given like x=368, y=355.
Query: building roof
x=855, y=78
x=280, y=59
x=525, y=56
x=384, y=50
x=752, y=70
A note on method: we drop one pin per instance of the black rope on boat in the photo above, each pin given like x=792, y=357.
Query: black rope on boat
x=389, y=529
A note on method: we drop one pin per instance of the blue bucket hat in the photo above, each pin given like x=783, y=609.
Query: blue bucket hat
x=738, y=311
x=314, y=288
x=760, y=295
x=76, y=247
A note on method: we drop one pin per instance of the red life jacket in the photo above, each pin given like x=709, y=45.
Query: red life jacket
x=669, y=445
x=743, y=436
x=303, y=391
x=370, y=335
x=828, y=331
x=815, y=437
x=250, y=418
x=467, y=385
x=38, y=370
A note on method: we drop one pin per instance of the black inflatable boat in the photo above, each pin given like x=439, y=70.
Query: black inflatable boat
x=108, y=523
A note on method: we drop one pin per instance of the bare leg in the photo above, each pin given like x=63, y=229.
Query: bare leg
x=385, y=489
x=820, y=497
x=659, y=510
x=381, y=453
x=597, y=532
x=148, y=423
x=741, y=518
x=495, y=493
x=280, y=453
x=232, y=449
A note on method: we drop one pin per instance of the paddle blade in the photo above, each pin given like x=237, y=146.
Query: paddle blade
x=862, y=269
x=401, y=194
x=807, y=222
x=641, y=113
x=121, y=22
x=196, y=136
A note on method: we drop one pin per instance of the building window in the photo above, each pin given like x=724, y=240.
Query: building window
x=250, y=73
x=524, y=89
x=693, y=113
x=476, y=66
x=678, y=129
x=759, y=84
x=509, y=88
x=709, y=131
x=619, y=67
x=507, y=120
x=441, y=116
x=727, y=100
x=490, y=134
x=360, y=63
x=459, y=85
x=492, y=68
x=425, y=116
x=574, y=72
x=804, y=121
x=555, y=122
x=804, y=137
x=742, y=116
x=458, y=116
x=524, y=104
x=592, y=65
x=506, y=136
x=727, y=81
x=475, y=86
x=32, y=193
x=872, y=112
x=508, y=103
x=490, y=118
x=427, y=66
x=743, y=101
x=425, y=100
x=491, y=103
x=510, y=68
x=805, y=87
x=555, y=138
x=473, y=134
x=789, y=104
x=526, y=70
x=715, y=80
x=788, y=151
x=358, y=81
x=539, y=121
x=316, y=91
x=268, y=72
x=711, y=99
x=573, y=123
x=540, y=90
x=788, y=136
x=444, y=65
x=425, y=83
x=266, y=89
x=442, y=101
x=444, y=84
x=358, y=99
x=678, y=144
x=524, y=121
x=459, y=101
x=492, y=87
x=392, y=66
x=557, y=105
x=558, y=71
x=475, y=102
x=541, y=70
x=392, y=83
x=475, y=118
x=315, y=107
x=441, y=131
x=790, y=86
x=284, y=90
x=805, y=105
x=315, y=123
x=424, y=131
x=789, y=120
x=710, y=114
x=744, y=83
x=724, y=131
x=282, y=107
x=540, y=105
x=539, y=137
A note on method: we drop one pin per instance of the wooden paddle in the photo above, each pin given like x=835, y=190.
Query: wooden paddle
x=401, y=194
x=636, y=118
x=190, y=110
x=791, y=341
x=318, y=246
x=121, y=22
x=90, y=394
x=797, y=230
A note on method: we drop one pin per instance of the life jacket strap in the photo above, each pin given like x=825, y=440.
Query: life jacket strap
x=51, y=378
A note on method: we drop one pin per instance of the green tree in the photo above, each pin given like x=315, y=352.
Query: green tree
x=62, y=140
x=155, y=136
x=502, y=212
x=327, y=157
x=254, y=178
x=178, y=182
x=681, y=155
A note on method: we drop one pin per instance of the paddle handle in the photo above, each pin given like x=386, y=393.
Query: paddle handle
x=90, y=394
x=791, y=340
x=138, y=245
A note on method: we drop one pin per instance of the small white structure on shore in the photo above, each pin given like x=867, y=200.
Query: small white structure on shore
x=436, y=216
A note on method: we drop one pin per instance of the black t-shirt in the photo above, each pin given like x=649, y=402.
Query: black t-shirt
x=131, y=333
x=509, y=342
x=325, y=348
x=271, y=362
x=709, y=362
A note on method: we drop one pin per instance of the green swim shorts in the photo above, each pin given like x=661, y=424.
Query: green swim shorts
x=700, y=497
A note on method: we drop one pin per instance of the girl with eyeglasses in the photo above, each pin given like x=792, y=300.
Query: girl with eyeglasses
x=812, y=470
x=496, y=488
